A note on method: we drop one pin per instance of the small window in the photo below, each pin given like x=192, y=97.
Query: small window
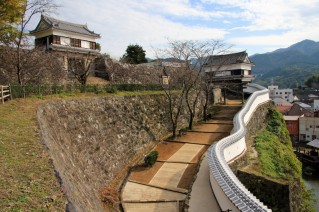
x=310, y=126
x=317, y=126
x=56, y=39
x=75, y=42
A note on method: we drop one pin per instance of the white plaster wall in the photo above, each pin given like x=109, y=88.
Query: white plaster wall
x=228, y=67
x=235, y=149
x=85, y=44
x=74, y=35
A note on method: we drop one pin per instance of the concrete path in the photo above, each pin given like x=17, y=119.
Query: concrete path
x=163, y=191
x=202, y=188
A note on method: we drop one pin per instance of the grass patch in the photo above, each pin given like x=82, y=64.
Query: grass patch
x=27, y=179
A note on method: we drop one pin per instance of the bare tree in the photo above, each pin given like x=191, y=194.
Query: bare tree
x=80, y=67
x=194, y=55
x=30, y=8
x=39, y=67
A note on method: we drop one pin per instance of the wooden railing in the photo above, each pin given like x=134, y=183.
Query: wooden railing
x=5, y=93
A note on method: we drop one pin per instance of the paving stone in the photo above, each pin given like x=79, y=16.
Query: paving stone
x=139, y=192
x=186, y=153
x=169, y=175
x=151, y=207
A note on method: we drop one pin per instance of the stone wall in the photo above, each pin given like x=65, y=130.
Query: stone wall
x=91, y=140
x=273, y=194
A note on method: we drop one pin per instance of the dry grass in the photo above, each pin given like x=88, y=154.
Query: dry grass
x=27, y=180
x=96, y=81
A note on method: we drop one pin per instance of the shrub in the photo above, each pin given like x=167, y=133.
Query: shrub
x=111, y=89
x=151, y=158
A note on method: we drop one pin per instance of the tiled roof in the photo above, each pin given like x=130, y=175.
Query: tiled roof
x=235, y=58
x=66, y=26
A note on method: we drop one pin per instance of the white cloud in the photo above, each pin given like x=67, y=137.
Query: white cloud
x=121, y=23
x=247, y=23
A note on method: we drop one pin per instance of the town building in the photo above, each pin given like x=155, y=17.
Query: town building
x=292, y=124
x=275, y=92
x=308, y=128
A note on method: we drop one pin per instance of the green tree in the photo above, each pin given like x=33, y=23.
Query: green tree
x=135, y=54
x=11, y=12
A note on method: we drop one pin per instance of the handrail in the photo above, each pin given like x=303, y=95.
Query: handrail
x=229, y=148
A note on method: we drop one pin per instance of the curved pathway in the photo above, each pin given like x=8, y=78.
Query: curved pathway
x=165, y=186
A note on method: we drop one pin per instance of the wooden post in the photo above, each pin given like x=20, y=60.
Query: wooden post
x=224, y=96
x=2, y=94
x=10, y=91
x=243, y=94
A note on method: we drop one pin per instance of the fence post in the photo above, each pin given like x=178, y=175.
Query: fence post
x=2, y=94
x=10, y=91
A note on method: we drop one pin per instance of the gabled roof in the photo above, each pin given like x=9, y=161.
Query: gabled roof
x=281, y=101
x=47, y=22
x=301, y=104
x=226, y=59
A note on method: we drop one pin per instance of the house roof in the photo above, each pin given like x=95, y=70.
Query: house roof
x=314, y=143
x=312, y=96
x=283, y=109
x=62, y=25
x=226, y=59
x=301, y=104
x=283, y=102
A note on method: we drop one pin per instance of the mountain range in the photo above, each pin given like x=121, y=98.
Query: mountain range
x=287, y=67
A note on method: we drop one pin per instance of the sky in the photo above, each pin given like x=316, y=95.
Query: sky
x=257, y=26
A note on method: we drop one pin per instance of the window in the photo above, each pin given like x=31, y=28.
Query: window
x=317, y=126
x=75, y=42
x=310, y=126
x=92, y=45
x=314, y=137
x=56, y=39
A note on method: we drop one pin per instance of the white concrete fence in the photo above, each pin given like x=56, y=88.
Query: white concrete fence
x=230, y=193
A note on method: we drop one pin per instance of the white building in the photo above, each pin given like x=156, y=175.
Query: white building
x=275, y=92
x=308, y=128
x=315, y=105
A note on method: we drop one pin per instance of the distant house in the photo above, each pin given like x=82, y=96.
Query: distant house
x=71, y=41
x=292, y=124
x=278, y=101
x=299, y=109
x=234, y=67
x=308, y=128
x=275, y=92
